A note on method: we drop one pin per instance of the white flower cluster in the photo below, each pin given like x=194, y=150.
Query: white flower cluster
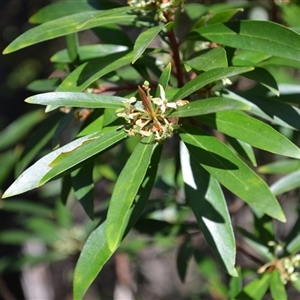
x=148, y=116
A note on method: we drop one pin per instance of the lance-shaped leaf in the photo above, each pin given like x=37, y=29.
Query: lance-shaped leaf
x=206, y=199
x=92, y=70
x=208, y=59
x=96, y=250
x=269, y=109
x=33, y=177
x=143, y=40
x=69, y=159
x=230, y=170
x=15, y=131
x=251, y=131
x=184, y=255
x=88, y=52
x=69, y=24
x=265, y=78
x=58, y=10
x=277, y=288
x=30, y=178
x=83, y=185
x=256, y=289
x=286, y=183
x=126, y=189
x=280, y=167
x=207, y=106
x=259, y=36
x=208, y=77
x=164, y=79
x=74, y=99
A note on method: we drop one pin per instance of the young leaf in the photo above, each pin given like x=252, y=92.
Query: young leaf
x=252, y=131
x=230, y=171
x=207, y=106
x=83, y=185
x=126, y=189
x=208, y=77
x=256, y=289
x=144, y=39
x=277, y=288
x=209, y=206
x=164, y=79
x=74, y=99
x=259, y=36
x=69, y=24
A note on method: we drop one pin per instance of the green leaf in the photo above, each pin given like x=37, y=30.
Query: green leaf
x=83, y=185
x=25, y=206
x=65, y=160
x=249, y=58
x=15, y=131
x=208, y=59
x=290, y=13
x=235, y=284
x=184, y=255
x=43, y=85
x=8, y=160
x=258, y=36
x=209, y=206
x=252, y=131
x=69, y=24
x=96, y=251
x=256, y=289
x=208, y=77
x=58, y=10
x=256, y=244
x=31, y=177
x=277, y=288
x=286, y=183
x=280, y=167
x=74, y=99
x=207, y=106
x=243, y=149
x=230, y=171
x=15, y=237
x=264, y=77
x=269, y=109
x=224, y=15
x=126, y=189
x=144, y=39
x=92, y=70
x=88, y=52
x=72, y=47
x=164, y=79
x=37, y=141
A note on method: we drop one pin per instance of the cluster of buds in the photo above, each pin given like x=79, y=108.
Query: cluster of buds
x=148, y=116
x=286, y=266
x=160, y=7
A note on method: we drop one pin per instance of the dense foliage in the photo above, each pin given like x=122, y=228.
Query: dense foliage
x=185, y=103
